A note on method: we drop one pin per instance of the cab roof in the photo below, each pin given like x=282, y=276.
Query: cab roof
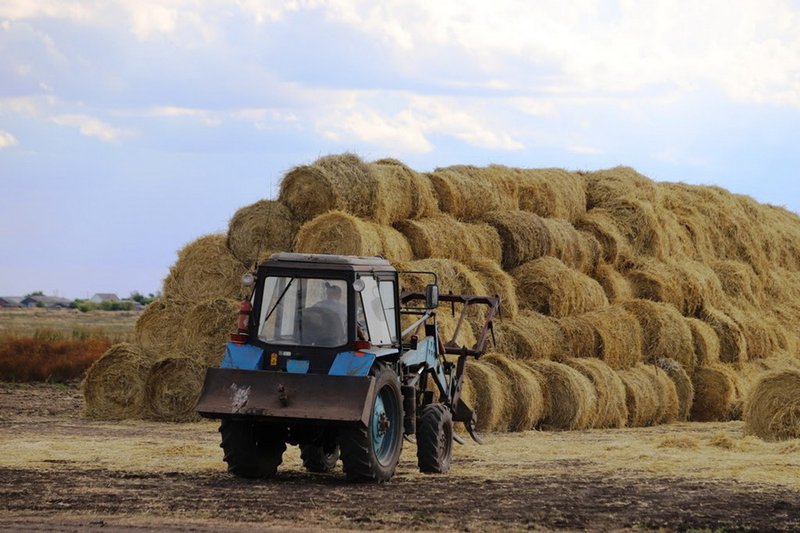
x=285, y=259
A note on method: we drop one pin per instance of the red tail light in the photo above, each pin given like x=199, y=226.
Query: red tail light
x=361, y=345
x=243, y=323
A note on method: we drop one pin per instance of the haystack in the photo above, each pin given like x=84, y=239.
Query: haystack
x=337, y=232
x=205, y=269
x=549, y=287
x=498, y=283
x=611, y=334
x=570, y=398
x=551, y=193
x=732, y=342
x=683, y=386
x=716, y=395
x=206, y=330
x=529, y=336
x=444, y=236
x=260, y=229
x=172, y=388
x=525, y=392
x=467, y=192
x=158, y=329
x=487, y=391
x=612, y=411
x=641, y=396
x=113, y=388
x=664, y=331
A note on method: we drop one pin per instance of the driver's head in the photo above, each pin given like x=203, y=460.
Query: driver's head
x=333, y=292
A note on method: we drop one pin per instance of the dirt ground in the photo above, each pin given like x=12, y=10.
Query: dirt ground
x=61, y=472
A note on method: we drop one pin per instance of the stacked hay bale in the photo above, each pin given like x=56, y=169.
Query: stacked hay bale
x=623, y=300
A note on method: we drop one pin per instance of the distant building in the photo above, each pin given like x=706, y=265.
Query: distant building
x=45, y=301
x=101, y=297
x=11, y=301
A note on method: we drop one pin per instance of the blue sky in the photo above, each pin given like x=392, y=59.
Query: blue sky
x=129, y=128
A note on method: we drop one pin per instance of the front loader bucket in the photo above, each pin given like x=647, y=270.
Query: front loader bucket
x=285, y=397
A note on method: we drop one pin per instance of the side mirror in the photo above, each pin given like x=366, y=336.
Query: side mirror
x=432, y=296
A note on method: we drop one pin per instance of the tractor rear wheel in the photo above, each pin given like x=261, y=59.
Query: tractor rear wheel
x=435, y=439
x=319, y=458
x=371, y=453
x=251, y=450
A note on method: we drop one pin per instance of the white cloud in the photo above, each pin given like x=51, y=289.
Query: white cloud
x=23, y=9
x=90, y=127
x=7, y=140
x=209, y=118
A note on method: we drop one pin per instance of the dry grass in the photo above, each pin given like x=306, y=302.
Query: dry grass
x=28, y=359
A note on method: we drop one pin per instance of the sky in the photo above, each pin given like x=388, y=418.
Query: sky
x=129, y=128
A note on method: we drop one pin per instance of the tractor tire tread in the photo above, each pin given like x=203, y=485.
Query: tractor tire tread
x=434, y=439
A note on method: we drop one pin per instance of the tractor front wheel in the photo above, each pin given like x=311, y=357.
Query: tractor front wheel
x=435, y=439
x=371, y=453
x=251, y=450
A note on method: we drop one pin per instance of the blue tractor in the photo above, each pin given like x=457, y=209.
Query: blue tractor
x=320, y=361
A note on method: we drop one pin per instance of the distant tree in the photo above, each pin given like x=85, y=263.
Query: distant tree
x=138, y=297
x=34, y=293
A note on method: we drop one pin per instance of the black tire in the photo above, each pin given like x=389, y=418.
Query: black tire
x=318, y=459
x=371, y=454
x=435, y=439
x=251, y=450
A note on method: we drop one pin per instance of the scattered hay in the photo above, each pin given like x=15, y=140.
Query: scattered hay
x=526, y=392
x=337, y=232
x=569, y=396
x=726, y=442
x=705, y=341
x=172, y=388
x=487, y=392
x=113, y=388
x=498, y=283
x=467, y=192
x=551, y=193
x=260, y=229
x=641, y=397
x=611, y=334
x=615, y=285
x=158, y=329
x=664, y=331
x=529, y=336
x=549, y=287
x=612, y=411
x=206, y=330
x=683, y=386
x=681, y=442
x=716, y=395
x=444, y=236
x=205, y=269
x=732, y=342
x=772, y=410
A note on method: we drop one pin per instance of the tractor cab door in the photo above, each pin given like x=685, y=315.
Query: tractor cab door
x=376, y=309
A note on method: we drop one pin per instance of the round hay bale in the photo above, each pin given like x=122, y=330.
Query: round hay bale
x=715, y=394
x=605, y=186
x=574, y=248
x=205, y=269
x=759, y=337
x=498, y=283
x=172, y=388
x=527, y=402
x=337, y=232
x=615, y=285
x=732, y=342
x=612, y=411
x=158, y=328
x=444, y=236
x=341, y=182
x=113, y=387
x=570, y=397
x=447, y=328
x=260, y=229
x=739, y=281
x=639, y=224
x=487, y=392
x=667, y=395
x=613, y=334
x=524, y=236
x=551, y=193
x=641, y=397
x=403, y=192
x=665, y=333
x=468, y=192
x=549, y=287
x=705, y=340
x=206, y=330
x=600, y=224
x=453, y=277
x=529, y=336
x=683, y=386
